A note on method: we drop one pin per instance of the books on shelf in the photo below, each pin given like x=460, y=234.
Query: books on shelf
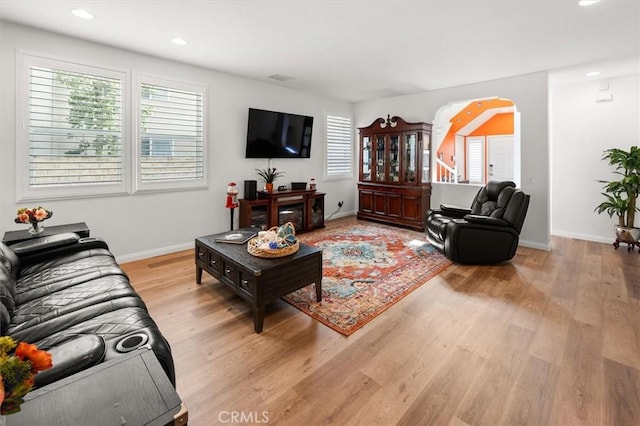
x=236, y=237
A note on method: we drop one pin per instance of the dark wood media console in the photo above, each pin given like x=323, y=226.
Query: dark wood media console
x=303, y=208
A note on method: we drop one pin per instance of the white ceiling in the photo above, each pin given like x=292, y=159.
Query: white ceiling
x=355, y=50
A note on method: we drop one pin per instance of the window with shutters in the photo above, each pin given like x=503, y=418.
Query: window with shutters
x=75, y=131
x=72, y=132
x=171, y=135
x=339, y=147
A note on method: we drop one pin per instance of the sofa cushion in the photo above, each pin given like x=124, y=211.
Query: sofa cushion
x=56, y=301
x=67, y=317
x=55, y=266
x=40, y=289
x=76, y=270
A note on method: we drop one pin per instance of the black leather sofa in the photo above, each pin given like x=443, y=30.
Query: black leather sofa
x=68, y=296
x=488, y=232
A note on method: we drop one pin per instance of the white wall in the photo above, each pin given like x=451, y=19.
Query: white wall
x=581, y=130
x=530, y=94
x=141, y=225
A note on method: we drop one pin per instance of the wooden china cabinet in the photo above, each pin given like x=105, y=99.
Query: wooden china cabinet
x=394, y=172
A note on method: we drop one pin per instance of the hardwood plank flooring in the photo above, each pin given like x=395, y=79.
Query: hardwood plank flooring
x=550, y=338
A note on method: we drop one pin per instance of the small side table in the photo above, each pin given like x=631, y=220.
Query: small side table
x=12, y=237
x=130, y=390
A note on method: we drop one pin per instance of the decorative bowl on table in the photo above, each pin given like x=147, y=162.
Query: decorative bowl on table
x=278, y=241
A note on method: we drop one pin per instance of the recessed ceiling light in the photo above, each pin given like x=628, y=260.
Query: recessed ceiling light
x=179, y=41
x=588, y=2
x=82, y=14
x=593, y=73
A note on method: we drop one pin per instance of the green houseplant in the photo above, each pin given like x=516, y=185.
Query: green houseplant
x=269, y=176
x=622, y=194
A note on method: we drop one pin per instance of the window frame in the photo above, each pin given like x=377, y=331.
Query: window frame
x=339, y=176
x=24, y=190
x=129, y=135
x=136, y=152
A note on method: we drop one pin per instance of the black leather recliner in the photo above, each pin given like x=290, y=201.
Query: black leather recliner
x=488, y=232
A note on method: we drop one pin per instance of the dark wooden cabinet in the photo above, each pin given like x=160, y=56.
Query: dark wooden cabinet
x=394, y=172
x=303, y=208
x=254, y=214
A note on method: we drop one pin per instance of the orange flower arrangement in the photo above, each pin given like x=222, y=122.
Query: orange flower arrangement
x=17, y=372
x=33, y=217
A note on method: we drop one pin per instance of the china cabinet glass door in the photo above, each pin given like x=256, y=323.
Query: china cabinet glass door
x=380, y=159
x=394, y=158
x=410, y=156
x=366, y=158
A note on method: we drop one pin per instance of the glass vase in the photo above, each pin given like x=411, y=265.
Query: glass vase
x=35, y=229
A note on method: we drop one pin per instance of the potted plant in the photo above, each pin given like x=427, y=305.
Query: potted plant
x=269, y=176
x=622, y=194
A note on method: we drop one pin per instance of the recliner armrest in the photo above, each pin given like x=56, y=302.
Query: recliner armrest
x=71, y=357
x=447, y=209
x=486, y=220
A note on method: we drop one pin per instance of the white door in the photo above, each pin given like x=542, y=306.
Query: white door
x=501, y=157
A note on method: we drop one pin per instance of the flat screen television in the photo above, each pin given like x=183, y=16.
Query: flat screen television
x=273, y=134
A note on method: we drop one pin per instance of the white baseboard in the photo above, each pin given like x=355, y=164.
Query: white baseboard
x=155, y=252
x=535, y=245
x=587, y=237
x=185, y=246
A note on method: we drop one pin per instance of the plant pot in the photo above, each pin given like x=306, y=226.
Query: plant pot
x=627, y=235
x=269, y=186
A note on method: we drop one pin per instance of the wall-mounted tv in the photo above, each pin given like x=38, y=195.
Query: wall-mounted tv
x=273, y=134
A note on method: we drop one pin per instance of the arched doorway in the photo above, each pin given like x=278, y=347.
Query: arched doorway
x=476, y=141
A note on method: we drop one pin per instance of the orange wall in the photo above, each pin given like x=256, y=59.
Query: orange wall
x=499, y=124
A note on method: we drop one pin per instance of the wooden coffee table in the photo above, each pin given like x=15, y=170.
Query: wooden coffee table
x=258, y=280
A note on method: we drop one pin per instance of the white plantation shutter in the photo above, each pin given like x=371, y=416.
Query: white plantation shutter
x=171, y=133
x=474, y=160
x=75, y=127
x=339, y=146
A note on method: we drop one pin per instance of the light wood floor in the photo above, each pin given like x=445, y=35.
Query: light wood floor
x=551, y=338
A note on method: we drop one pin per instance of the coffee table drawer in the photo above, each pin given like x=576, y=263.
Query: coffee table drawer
x=214, y=263
x=209, y=260
x=202, y=255
x=229, y=273
x=247, y=283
